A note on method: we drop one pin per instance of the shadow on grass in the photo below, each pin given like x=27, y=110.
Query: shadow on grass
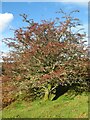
x=60, y=90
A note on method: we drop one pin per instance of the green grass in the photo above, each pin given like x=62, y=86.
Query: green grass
x=64, y=107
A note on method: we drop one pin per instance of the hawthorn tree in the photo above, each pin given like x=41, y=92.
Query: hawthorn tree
x=46, y=55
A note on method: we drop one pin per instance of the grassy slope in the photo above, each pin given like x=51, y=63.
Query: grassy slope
x=63, y=107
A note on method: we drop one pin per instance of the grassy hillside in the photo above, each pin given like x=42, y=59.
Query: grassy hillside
x=64, y=107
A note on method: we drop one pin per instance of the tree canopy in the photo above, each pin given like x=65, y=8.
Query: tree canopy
x=43, y=56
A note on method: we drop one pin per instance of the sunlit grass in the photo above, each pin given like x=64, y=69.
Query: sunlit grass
x=64, y=107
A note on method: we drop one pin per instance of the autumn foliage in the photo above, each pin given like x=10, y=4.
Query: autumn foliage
x=43, y=56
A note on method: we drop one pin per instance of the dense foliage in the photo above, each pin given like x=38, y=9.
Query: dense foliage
x=43, y=56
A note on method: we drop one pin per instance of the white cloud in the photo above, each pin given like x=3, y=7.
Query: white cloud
x=5, y=20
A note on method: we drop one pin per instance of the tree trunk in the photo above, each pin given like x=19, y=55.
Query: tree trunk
x=46, y=96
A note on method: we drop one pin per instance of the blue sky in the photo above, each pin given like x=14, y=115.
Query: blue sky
x=37, y=11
